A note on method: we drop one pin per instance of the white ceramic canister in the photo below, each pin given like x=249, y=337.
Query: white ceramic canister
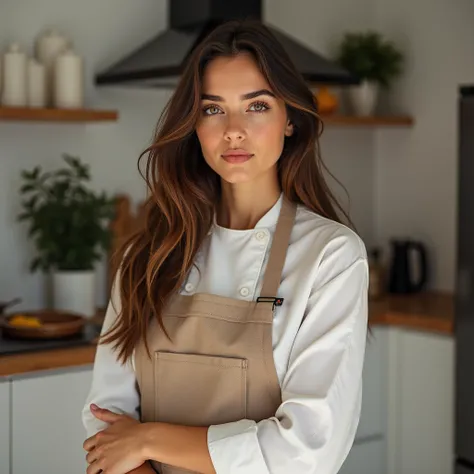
x=14, y=81
x=364, y=98
x=68, y=81
x=74, y=291
x=36, y=84
x=48, y=46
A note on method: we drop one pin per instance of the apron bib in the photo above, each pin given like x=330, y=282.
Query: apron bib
x=218, y=366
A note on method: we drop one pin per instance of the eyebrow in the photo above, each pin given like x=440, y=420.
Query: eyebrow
x=249, y=95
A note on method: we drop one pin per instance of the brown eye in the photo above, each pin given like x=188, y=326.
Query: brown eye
x=259, y=107
x=211, y=110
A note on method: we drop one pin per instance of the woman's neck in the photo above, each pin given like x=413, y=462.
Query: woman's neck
x=242, y=205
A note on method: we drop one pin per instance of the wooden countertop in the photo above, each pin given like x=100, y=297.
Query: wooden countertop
x=16, y=364
x=430, y=312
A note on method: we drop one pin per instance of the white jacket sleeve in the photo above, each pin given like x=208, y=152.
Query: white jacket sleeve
x=113, y=384
x=315, y=425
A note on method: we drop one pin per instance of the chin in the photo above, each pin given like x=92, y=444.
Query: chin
x=236, y=176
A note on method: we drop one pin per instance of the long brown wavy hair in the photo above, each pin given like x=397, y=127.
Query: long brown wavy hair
x=183, y=189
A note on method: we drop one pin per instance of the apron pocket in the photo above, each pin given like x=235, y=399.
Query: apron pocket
x=199, y=390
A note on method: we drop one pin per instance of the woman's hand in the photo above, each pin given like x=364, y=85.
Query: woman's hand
x=119, y=448
x=143, y=469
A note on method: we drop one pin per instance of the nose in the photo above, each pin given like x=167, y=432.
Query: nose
x=235, y=130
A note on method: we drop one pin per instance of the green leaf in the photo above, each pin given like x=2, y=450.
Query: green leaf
x=23, y=216
x=370, y=56
x=45, y=177
x=26, y=188
x=35, y=264
x=36, y=171
x=26, y=175
x=30, y=203
x=34, y=230
x=64, y=173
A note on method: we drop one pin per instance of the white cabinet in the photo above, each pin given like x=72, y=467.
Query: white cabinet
x=47, y=432
x=366, y=458
x=407, y=418
x=373, y=418
x=368, y=454
x=4, y=427
x=421, y=401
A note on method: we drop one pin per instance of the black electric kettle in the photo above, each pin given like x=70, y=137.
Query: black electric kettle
x=401, y=279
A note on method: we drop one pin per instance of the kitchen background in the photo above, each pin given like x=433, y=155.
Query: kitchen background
x=402, y=181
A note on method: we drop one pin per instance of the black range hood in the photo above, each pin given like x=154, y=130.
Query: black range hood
x=159, y=62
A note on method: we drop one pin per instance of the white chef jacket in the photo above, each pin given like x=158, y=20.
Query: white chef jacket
x=319, y=337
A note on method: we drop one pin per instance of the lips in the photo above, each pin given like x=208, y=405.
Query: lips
x=237, y=156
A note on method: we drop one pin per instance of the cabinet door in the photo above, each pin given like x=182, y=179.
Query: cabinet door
x=374, y=396
x=422, y=410
x=365, y=458
x=5, y=427
x=47, y=431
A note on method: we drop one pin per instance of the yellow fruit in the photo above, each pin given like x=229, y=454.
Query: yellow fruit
x=327, y=101
x=20, y=320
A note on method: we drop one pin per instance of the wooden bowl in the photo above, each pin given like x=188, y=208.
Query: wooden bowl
x=54, y=325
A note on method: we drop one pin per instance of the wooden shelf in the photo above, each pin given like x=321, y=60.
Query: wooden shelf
x=91, y=115
x=382, y=121
x=56, y=115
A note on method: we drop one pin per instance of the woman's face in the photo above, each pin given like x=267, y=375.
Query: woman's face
x=242, y=125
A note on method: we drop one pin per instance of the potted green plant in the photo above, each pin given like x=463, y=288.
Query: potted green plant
x=69, y=224
x=375, y=60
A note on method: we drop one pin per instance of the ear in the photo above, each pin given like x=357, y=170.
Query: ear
x=289, y=129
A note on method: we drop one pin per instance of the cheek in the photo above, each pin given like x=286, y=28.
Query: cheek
x=269, y=135
x=209, y=135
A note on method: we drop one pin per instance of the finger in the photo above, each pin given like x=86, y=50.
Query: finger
x=90, y=443
x=92, y=456
x=105, y=415
x=94, y=468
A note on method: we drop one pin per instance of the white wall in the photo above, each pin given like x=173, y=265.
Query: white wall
x=348, y=152
x=102, y=36
x=416, y=171
x=103, y=32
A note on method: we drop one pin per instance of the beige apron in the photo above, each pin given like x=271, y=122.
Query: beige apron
x=219, y=366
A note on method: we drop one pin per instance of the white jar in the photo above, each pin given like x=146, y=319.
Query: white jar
x=68, y=81
x=74, y=291
x=364, y=98
x=14, y=77
x=48, y=46
x=36, y=84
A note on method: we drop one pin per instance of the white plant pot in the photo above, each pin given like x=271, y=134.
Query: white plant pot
x=364, y=98
x=74, y=291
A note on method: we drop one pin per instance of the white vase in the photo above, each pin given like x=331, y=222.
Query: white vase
x=363, y=98
x=15, y=63
x=36, y=96
x=74, y=291
x=48, y=45
x=68, y=80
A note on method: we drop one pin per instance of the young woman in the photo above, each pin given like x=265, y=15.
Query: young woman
x=235, y=337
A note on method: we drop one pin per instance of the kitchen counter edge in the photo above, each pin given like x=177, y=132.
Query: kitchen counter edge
x=429, y=312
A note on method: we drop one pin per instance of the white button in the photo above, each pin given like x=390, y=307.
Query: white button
x=244, y=291
x=261, y=235
x=189, y=287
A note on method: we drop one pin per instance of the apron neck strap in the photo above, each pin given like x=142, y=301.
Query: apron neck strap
x=281, y=240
